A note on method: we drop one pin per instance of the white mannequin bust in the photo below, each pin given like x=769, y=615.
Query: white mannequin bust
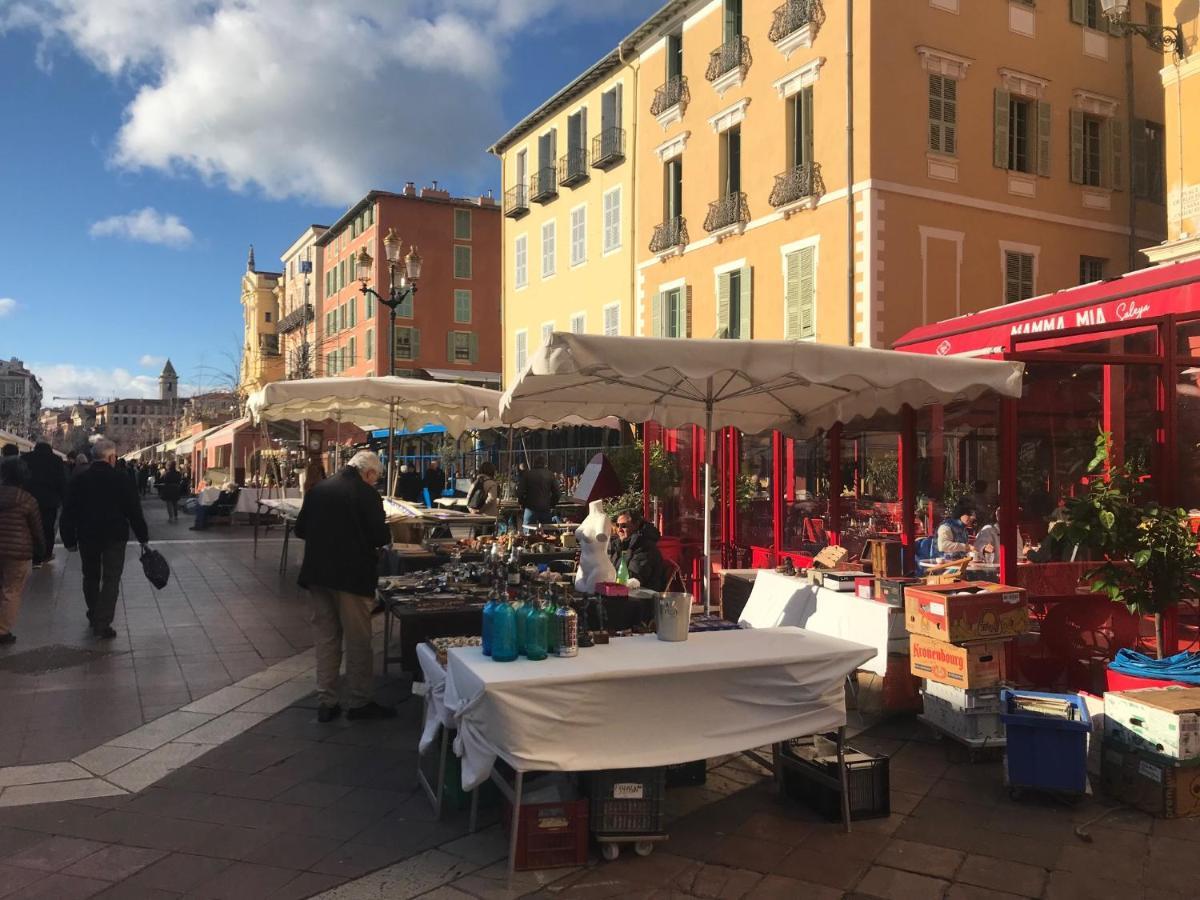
x=593, y=535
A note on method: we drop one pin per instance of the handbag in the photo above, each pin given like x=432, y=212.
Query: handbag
x=154, y=564
x=478, y=495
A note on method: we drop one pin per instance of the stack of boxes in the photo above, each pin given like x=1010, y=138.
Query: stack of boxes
x=958, y=643
x=1151, y=755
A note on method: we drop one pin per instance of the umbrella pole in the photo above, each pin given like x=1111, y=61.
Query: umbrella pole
x=391, y=466
x=706, y=583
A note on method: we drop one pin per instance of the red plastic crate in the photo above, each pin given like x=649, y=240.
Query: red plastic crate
x=550, y=835
x=1119, y=681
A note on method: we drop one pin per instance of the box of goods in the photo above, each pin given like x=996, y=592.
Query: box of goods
x=810, y=776
x=627, y=801
x=864, y=587
x=690, y=774
x=1164, y=787
x=966, y=611
x=891, y=590
x=883, y=558
x=830, y=557
x=443, y=645
x=552, y=831
x=1047, y=740
x=453, y=795
x=976, y=700
x=966, y=725
x=841, y=580
x=976, y=665
x=1164, y=720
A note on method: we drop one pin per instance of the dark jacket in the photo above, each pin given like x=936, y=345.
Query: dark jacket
x=170, y=486
x=434, y=482
x=20, y=525
x=408, y=486
x=47, y=475
x=101, y=506
x=646, y=562
x=342, y=526
x=538, y=490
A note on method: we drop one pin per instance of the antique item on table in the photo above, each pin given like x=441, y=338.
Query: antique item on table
x=672, y=616
x=537, y=631
x=841, y=580
x=583, y=606
x=830, y=557
x=489, y=619
x=504, y=633
x=593, y=535
x=443, y=645
x=567, y=640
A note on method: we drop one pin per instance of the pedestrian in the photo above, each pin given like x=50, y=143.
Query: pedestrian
x=143, y=475
x=82, y=462
x=342, y=525
x=47, y=482
x=10, y=451
x=100, y=509
x=170, y=489
x=639, y=539
x=538, y=494
x=409, y=484
x=314, y=473
x=434, y=481
x=485, y=491
x=20, y=543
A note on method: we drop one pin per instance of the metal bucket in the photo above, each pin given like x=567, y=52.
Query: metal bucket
x=672, y=616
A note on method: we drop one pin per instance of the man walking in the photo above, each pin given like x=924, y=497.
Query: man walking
x=101, y=507
x=538, y=494
x=343, y=526
x=47, y=481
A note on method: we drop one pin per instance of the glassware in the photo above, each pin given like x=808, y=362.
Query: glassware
x=537, y=629
x=519, y=612
x=551, y=626
x=623, y=569
x=568, y=631
x=489, y=621
x=504, y=633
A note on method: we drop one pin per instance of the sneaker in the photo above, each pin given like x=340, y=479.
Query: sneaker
x=327, y=714
x=371, y=710
x=107, y=632
x=8, y=638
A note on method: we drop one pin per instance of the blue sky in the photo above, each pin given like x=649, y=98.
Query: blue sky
x=151, y=141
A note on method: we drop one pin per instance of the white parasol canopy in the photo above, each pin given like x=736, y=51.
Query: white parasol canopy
x=798, y=388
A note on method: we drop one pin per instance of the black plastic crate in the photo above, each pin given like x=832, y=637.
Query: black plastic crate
x=689, y=774
x=814, y=782
x=627, y=801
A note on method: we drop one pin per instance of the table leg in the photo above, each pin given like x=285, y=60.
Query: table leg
x=256, y=518
x=841, y=758
x=441, y=775
x=473, y=825
x=516, y=823
x=283, y=556
x=387, y=633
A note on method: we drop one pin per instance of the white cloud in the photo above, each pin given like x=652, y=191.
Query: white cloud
x=152, y=362
x=305, y=98
x=71, y=381
x=146, y=225
x=7, y=306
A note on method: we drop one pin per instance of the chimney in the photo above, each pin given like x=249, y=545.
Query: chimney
x=434, y=193
x=410, y=189
x=489, y=200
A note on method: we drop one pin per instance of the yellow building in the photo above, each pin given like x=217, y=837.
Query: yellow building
x=262, y=362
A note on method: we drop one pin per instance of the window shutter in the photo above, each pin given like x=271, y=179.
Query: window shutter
x=450, y=346
x=1079, y=12
x=806, y=123
x=791, y=297
x=415, y=342
x=723, y=305
x=473, y=343
x=935, y=113
x=1116, y=151
x=1076, y=146
x=583, y=128
x=808, y=292
x=1000, y=114
x=656, y=316
x=1045, y=127
x=1139, y=158
x=747, y=298
x=685, y=312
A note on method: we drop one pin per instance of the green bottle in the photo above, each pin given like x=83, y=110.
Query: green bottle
x=623, y=569
x=551, y=625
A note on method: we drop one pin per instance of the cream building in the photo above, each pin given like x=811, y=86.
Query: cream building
x=300, y=327
x=262, y=362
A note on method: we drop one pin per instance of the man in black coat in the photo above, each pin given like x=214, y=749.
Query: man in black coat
x=343, y=526
x=435, y=480
x=47, y=482
x=538, y=494
x=101, y=507
x=639, y=539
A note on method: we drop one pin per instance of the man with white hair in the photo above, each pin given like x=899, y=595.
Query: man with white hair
x=343, y=526
x=101, y=507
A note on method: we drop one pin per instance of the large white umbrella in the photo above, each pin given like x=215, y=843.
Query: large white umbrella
x=799, y=388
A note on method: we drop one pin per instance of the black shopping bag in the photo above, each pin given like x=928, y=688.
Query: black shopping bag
x=154, y=564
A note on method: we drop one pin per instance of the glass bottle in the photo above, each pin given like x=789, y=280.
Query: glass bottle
x=537, y=629
x=489, y=618
x=518, y=606
x=623, y=568
x=551, y=625
x=504, y=633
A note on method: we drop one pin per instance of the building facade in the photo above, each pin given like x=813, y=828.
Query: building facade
x=262, y=361
x=451, y=327
x=20, y=398
x=135, y=422
x=299, y=326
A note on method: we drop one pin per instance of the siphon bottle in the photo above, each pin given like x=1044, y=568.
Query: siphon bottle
x=504, y=632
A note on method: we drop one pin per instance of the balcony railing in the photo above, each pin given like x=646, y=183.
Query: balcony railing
x=799, y=183
x=573, y=168
x=673, y=93
x=732, y=209
x=516, y=201
x=733, y=54
x=295, y=319
x=670, y=234
x=268, y=344
x=794, y=15
x=543, y=187
x=608, y=148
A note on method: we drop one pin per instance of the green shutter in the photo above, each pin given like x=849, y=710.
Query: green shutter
x=1000, y=114
x=474, y=345
x=415, y=342
x=656, y=315
x=806, y=125
x=1139, y=158
x=1076, y=146
x=791, y=297
x=723, y=305
x=808, y=291
x=1116, y=145
x=450, y=346
x=936, y=113
x=747, y=298
x=685, y=311
x=1045, y=125
x=1079, y=12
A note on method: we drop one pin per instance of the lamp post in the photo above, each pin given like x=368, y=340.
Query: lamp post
x=400, y=289
x=1159, y=37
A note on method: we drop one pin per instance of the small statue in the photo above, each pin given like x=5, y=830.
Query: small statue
x=593, y=535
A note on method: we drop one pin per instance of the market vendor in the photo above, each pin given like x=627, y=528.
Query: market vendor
x=953, y=535
x=223, y=505
x=639, y=539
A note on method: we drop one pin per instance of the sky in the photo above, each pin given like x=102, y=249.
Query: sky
x=146, y=144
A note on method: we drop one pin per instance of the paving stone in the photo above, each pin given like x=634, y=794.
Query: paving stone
x=893, y=884
x=410, y=878
x=352, y=860
x=311, y=793
x=223, y=700
x=820, y=867
x=1118, y=866
x=495, y=883
x=53, y=853
x=242, y=881
x=155, y=765
x=180, y=872
x=40, y=774
x=154, y=734
x=13, y=840
x=1002, y=875
x=748, y=853
x=772, y=826
x=776, y=887
x=281, y=697
x=724, y=882
x=482, y=848
x=924, y=859
x=115, y=863
x=307, y=884
x=223, y=728
x=13, y=879
x=106, y=758
x=1084, y=886
x=63, y=887
x=971, y=892
x=56, y=792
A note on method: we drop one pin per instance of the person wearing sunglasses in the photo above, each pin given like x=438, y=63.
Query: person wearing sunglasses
x=639, y=539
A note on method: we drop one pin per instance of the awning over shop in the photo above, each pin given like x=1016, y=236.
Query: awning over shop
x=188, y=444
x=226, y=433
x=458, y=375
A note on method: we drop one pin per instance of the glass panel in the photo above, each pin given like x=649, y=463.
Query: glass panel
x=754, y=492
x=870, y=488
x=1132, y=341
x=805, y=495
x=1187, y=437
x=1187, y=338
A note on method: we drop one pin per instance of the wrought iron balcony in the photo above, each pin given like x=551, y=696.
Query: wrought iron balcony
x=516, y=201
x=543, y=187
x=671, y=233
x=295, y=319
x=794, y=15
x=673, y=93
x=798, y=183
x=268, y=344
x=572, y=168
x=608, y=148
x=732, y=209
x=733, y=54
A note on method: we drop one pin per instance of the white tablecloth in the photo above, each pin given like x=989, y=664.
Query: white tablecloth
x=435, y=696
x=247, y=501
x=643, y=702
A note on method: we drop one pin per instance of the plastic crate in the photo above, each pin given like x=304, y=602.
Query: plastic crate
x=966, y=724
x=550, y=835
x=627, y=801
x=809, y=779
x=975, y=700
x=453, y=795
x=690, y=774
x=1046, y=753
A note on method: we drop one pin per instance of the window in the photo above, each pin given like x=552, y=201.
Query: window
x=462, y=262
x=330, y=363
x=520, y=349
x=408, y=343
x=370, y=344
x=674, y=55
x=943, y=114
x=1087, y=13
x=1096, y=150
x=329, y=282
x=341, y=314
x=734, y=304
x=731, y=161
x=462, y=347
x=612, y=320
x=368, y=307
x=462, y=307
x=521, y=261
x=672, y=189
x=1153, y=15
x=462, y=224
x=610, y=119
x=579, y=236
x=266, y=317
x=800, y=293
x=341, y=275
x=547, y=332
x=1091, y=268
x=547, y=249
x=733, y=20
x=352, y=310
x=370, y=216
x=1019, y=136
x=330, y=322
x=577, y=145
x=800, y=128
x=1022, y=134
x=1018, y=276
x=405, y=309
x=1148, y=152
x=671, y=316
x=343, y=359
x=579, y=323
x=353, y=350
x=612, y=220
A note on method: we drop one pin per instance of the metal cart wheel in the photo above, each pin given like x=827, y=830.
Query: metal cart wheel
x=643, y=848
x=611, y=851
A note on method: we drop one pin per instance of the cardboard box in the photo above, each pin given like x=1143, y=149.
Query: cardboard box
x=891, y=590
x=966, y=611
x=1164, y=720
x=830, y=557
x=864, y=587
x=1163, y=787
x=976, y=665
x=839, y=581
x=883, y=558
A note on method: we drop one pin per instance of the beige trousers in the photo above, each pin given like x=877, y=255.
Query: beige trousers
x=338, y=615
x=13, y=575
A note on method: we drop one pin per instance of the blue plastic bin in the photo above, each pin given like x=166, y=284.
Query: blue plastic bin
x=1045, y=753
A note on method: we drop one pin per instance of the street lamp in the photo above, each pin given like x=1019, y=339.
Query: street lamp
x=1159, y=37
x=400, y=288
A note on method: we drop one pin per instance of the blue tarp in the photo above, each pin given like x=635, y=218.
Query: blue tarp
x=426, y=429
x=1180, y=667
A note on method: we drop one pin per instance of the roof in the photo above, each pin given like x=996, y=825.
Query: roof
x=336, y=228
x=168, y=370
x=590, y=77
